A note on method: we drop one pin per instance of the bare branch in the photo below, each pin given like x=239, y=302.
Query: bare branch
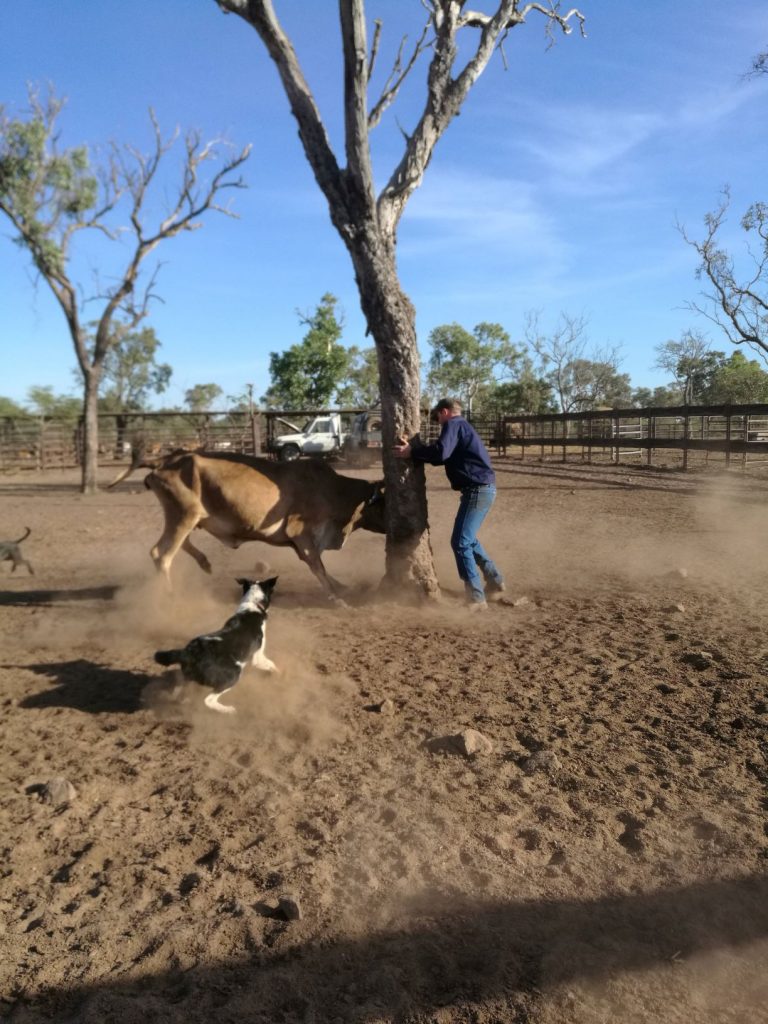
x=397, y=76
x=312, y=132
x=739, y=308
x=377, y=25
x=354, y=47
x=478, y=19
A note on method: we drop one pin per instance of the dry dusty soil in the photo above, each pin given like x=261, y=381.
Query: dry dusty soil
x=604, y=861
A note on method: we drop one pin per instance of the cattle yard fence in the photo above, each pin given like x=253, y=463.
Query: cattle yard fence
x=685, y=436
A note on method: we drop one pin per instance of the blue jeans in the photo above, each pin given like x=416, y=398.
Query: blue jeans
x=474, y=506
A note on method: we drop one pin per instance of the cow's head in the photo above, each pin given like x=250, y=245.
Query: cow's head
x=372, y=513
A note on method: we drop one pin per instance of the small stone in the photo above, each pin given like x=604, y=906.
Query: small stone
x=666, y=688
x=520, y=602
x=289, y=907
x=542, y=761
x=675, y=608
x=386, y=707
x=58, y=791
x=470, y=742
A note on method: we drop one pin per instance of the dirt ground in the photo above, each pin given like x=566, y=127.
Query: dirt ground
x=605, y=861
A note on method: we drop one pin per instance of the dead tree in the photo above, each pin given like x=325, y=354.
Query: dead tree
x=367, y=222
x=50, y=195
x=738, y=305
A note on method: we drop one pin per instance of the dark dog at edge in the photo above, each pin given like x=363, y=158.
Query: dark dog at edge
x=11, y=552
x=217, y=660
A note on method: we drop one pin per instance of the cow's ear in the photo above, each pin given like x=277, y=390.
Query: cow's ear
x=269, y=585
x=245, y=584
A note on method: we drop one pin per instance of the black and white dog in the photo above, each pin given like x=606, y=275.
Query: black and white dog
x=11, y=552
x=218, y=659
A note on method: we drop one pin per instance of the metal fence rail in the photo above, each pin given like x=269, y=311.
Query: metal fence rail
x=722, y=431
x=727, y=430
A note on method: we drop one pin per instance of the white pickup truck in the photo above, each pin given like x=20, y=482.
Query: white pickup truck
x=321, y=435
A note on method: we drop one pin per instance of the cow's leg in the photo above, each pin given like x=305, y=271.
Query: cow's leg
x=308, y=552
x=212, y=702
x=173, y=538
x=198, y=555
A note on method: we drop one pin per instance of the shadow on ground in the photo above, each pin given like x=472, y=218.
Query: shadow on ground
x=455, y=954
x=48, y=597
x=86, y=686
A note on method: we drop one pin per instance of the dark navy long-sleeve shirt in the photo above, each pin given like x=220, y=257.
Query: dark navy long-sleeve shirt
x=459, y=448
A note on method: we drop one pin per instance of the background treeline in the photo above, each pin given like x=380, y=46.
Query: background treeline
x=554, y=370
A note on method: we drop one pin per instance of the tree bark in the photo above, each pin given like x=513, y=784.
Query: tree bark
x=91, y=434
x=392, y=322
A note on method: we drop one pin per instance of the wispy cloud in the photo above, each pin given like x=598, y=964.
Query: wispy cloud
x=709, y=106
x=582, y=141
x=456, y=212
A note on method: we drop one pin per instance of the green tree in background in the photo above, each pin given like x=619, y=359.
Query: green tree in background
x=131, y=372
x=51, y=195
x=12, y=409
x=734, y=380
x=45, y=403
x=360, y=387
x=581, y=378
x=689, y=361
x=528, y=393
x=307, y=375
x=467, y=365
x=201, y=397
x=656, y=398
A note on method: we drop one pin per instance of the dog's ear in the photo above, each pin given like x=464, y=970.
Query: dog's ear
x=269, y=585
x=245, y=584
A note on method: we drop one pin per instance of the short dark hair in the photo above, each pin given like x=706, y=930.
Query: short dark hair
x=452, y=404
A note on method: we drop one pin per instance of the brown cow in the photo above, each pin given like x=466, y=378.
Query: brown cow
x=237, y=498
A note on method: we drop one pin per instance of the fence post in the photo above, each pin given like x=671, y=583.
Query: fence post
x=745, y=457
x=256, y=433
x=686, y=423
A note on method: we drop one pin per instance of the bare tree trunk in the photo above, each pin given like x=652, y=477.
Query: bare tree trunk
x=391, y=321
x=89, y=483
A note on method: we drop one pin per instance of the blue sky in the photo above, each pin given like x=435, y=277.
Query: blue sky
x=557, y=189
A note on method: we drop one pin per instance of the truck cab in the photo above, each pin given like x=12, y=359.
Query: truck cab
x=321, y=435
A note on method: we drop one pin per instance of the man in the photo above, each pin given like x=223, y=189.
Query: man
x=468, y=468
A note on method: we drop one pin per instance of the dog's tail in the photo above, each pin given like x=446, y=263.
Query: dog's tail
x=26, y=534
x=168, y=657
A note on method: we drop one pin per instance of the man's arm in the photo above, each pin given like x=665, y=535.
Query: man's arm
x=435, y=454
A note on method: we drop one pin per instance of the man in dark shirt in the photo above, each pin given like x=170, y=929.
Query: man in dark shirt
x=468, y=468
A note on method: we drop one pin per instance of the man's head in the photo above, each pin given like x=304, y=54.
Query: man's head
x=445, y=409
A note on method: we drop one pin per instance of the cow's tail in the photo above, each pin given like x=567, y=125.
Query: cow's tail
x=168, y=657
x=24, y=537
